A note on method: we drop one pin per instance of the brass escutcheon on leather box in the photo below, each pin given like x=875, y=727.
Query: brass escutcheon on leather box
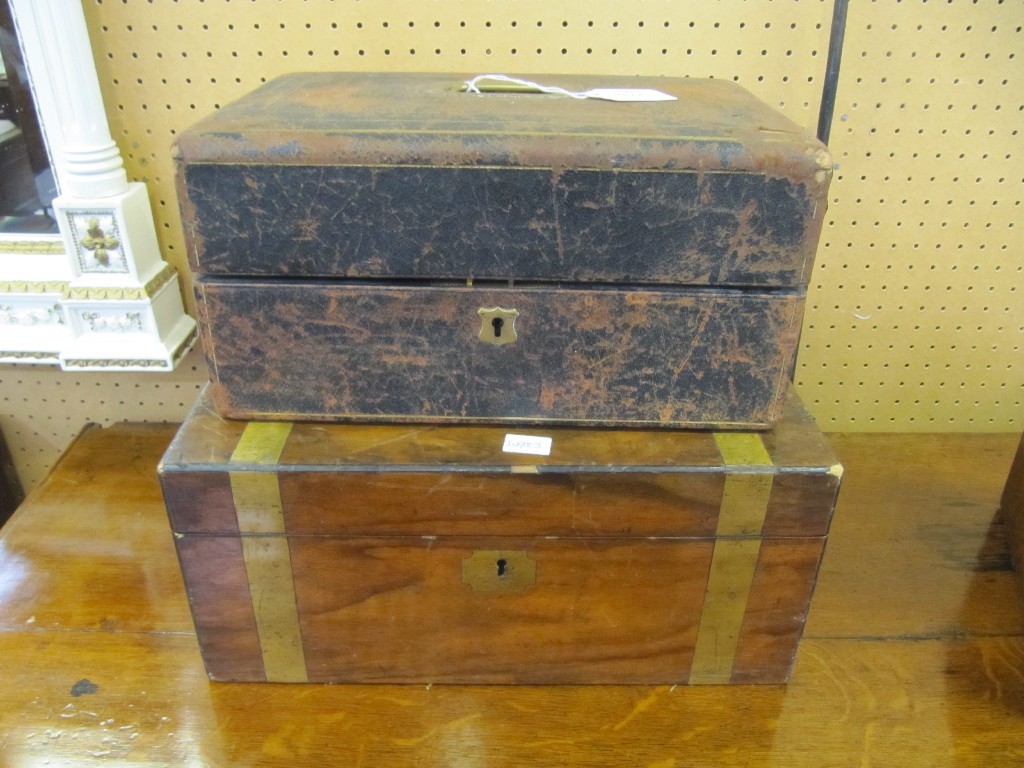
x=497, y=325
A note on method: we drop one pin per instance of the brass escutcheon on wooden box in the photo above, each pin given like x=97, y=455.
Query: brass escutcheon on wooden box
x=498, y=570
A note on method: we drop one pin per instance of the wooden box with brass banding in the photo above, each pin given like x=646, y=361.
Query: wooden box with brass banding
x=355, y=553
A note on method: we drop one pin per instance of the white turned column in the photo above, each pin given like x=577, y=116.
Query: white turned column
x=55, y=43
x=121, y=303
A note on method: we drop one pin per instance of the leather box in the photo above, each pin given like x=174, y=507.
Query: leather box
x=387, y=247
x=349, y=553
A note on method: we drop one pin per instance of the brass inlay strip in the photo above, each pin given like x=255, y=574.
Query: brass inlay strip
x=257, y=495
x=742, y=513
x=743, y=449
x=262, y=442
x=269, y=568
x=744, y=503
x=257, y=498
x=745, y=498
x=725, y=604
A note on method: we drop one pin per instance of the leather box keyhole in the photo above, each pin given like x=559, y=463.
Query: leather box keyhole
x=497, y=325
x=502, y=567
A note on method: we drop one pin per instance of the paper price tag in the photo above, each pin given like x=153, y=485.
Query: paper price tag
x=627, y=94
x=537, y=446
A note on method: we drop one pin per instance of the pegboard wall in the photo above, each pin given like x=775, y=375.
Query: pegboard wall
x=914, y=317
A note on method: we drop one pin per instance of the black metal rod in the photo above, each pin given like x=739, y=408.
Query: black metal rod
x=835, y=55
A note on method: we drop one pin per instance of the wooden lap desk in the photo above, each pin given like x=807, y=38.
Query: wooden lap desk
x=913, y=652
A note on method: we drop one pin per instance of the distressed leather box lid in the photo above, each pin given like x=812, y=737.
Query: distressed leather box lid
x=403, y=175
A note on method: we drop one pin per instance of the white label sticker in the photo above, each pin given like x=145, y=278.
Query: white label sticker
x=538, y=446
x=628, y=94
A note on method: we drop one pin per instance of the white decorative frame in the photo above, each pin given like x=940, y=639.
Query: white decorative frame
x=99, y=296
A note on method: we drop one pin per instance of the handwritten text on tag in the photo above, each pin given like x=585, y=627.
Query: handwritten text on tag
x=538, y=446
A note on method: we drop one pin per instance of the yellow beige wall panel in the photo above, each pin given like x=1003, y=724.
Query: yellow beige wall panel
x=915, y=316
x=914, y=313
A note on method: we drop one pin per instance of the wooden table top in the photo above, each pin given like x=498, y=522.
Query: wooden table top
x=913, y=652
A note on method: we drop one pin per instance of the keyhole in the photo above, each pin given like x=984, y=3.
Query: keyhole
x=502, y=565
x=496, y=324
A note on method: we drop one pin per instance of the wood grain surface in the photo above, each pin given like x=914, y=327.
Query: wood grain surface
x=332, y=478
x=913, y=656
x=1013, y=514
x=618, y=548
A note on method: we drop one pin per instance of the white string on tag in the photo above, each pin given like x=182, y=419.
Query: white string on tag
x=605, y=94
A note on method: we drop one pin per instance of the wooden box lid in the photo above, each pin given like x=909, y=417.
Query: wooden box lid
x=354, y=479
